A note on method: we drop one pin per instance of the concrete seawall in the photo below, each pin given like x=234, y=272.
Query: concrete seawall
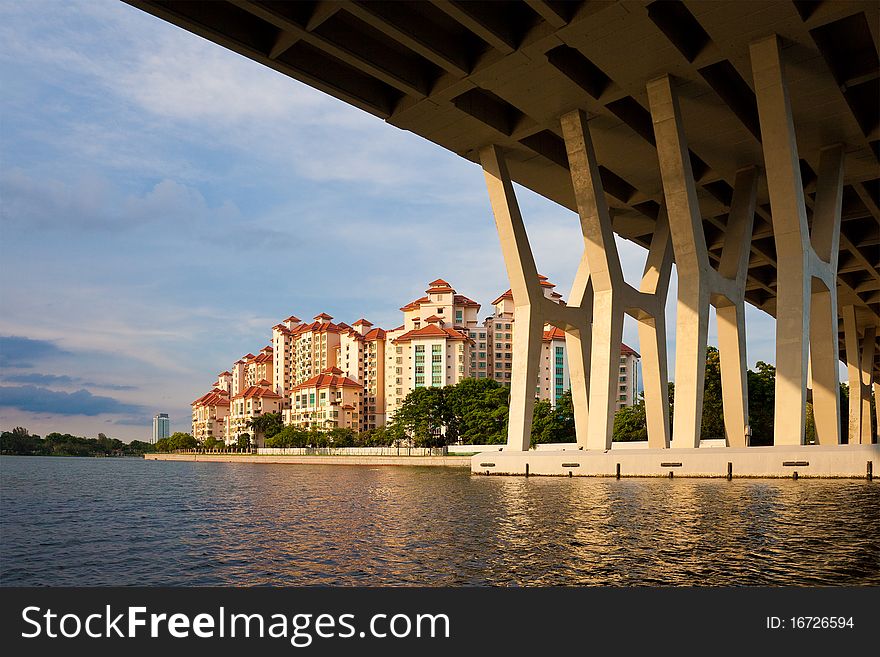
x=435, y=461
x=839, y=461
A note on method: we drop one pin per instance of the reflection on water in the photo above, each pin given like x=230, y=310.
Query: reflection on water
x=133, y=522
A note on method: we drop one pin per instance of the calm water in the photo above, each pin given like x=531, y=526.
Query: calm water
x=81, y=521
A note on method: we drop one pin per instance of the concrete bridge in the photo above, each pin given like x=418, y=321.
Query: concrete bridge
x=739, y=140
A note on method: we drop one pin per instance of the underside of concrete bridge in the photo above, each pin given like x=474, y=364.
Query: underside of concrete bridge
x=739, y=140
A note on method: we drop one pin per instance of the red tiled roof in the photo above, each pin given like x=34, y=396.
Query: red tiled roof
x=626, y=350
x=433, y=318
x=317, y=327
x=375, y=334
x=438, y=283
x=412, y=305
x=263, y=383
x=343, y=325
x=362, y=321
x=249, y=355
x=554, y=333
x=292, y=318
x=268, y=347
x=329, y=378
x=281, y=328
x=257, y=391
x=506, y=295
x=324, y=316
x=461, y=300
x=224, y=373
x=432, y=331
x=216, y=397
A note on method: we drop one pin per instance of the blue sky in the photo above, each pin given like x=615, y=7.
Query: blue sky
x=164, y=202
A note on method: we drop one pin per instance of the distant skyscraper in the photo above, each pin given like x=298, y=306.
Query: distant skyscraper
x=161, y=427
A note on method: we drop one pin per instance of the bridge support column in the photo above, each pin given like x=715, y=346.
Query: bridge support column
x=613, y=298
x=699, y=284
x=532, y=310
x=805, y=319
x=859, y=360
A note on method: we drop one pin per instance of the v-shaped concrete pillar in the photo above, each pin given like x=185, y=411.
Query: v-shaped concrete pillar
x=613, y=297
x=806, y=292
x=699, y=284
x=532, y=310
x=859, y=365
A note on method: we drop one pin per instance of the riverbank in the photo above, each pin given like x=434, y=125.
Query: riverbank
x=435, y=461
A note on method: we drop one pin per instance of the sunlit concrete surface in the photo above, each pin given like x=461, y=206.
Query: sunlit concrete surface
x=855, y=462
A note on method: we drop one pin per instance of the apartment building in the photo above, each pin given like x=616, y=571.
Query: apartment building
x=361, y=357
x=251, y=402
x=259, y=367
x=326, y=401
x=627, y=388
x=282, y=349
x=224, y=382
x=209, y=413
x=433, y=346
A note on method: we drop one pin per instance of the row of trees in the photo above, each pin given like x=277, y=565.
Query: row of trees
x=20, y=442
x=630, y=423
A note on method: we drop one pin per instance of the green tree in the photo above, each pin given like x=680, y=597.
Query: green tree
x=762, y=397
x=630, y=423
x=712, y=424
x=212, y=443
x=140, y=447
x=478, y=409
x=289, y=437
x=267, y=425
x=181, y=440
x=341, y=437
x=244, y=441
x=423, y=415
x=553, y=425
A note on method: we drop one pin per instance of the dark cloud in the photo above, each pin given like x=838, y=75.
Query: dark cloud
x=18, y=352
x=81, y=402
x=39, y=379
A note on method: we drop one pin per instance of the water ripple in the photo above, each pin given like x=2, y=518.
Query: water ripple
x=91, y=522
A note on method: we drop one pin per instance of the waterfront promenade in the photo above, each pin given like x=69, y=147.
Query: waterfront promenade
x=308, y=459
